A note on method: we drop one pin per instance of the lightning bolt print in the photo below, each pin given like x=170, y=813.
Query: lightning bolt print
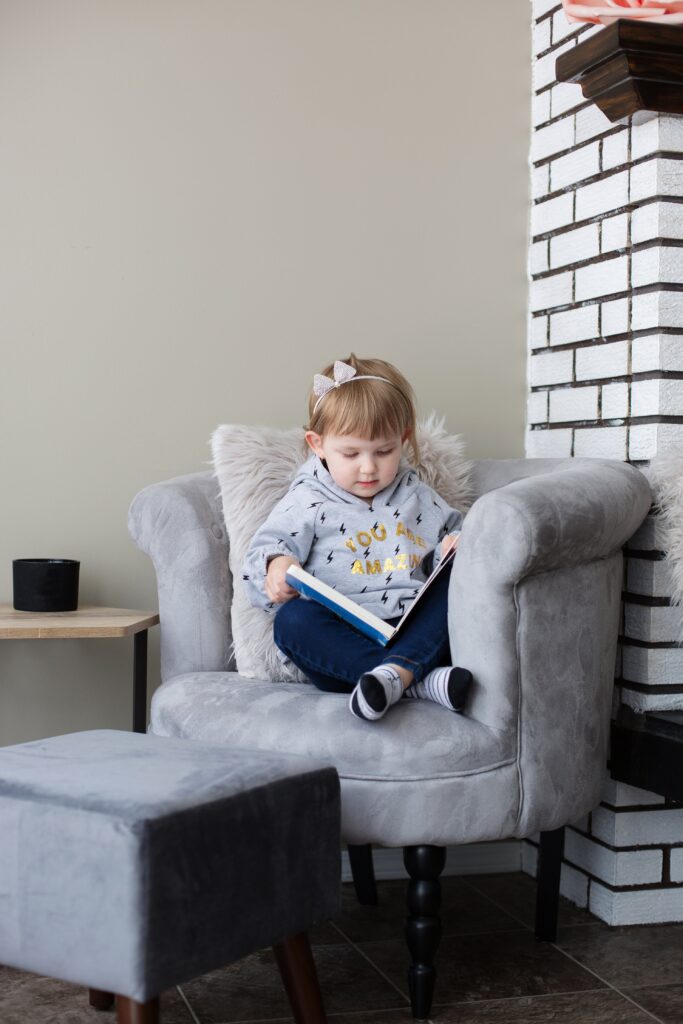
x=384, y=597
x=388, y=580
x=329, y=557
x=419, y=517
x=342, y=529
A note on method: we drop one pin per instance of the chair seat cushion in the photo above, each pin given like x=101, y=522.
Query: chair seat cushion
x=131, y=863
x=403, y=768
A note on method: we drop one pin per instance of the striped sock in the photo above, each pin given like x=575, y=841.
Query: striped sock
x=448, y=686
x=375, y=692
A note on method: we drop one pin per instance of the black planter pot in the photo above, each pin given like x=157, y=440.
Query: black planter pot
x=45, y=584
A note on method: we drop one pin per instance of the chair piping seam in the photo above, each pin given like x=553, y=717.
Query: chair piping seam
x=430, y=778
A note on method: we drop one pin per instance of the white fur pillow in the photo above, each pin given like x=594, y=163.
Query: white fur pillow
x=665, y=473
x=254, y=467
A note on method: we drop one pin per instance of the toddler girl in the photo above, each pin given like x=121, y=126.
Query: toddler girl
x=358, y=517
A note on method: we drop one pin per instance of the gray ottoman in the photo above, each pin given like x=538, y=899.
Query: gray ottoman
x=131, y=863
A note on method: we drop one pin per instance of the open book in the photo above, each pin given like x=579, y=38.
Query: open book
x=353, y=613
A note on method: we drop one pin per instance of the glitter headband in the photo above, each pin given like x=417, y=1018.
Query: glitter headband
x=343, y=373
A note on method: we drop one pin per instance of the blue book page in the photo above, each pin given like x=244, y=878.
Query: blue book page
x=446, y=560
x=365, y=622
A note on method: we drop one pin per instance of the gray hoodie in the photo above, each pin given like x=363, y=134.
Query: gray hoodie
x=378, y=554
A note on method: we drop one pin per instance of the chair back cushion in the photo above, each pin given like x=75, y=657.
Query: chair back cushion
x=254, y=466
x=491, y=474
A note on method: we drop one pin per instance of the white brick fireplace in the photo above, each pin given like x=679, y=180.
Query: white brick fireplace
x=606, y=379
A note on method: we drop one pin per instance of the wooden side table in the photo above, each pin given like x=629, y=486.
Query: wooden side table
x=89, y=622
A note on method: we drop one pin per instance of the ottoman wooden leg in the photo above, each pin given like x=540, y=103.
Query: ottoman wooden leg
x=100, y=1000
x=130, y=1012
x=300, y=978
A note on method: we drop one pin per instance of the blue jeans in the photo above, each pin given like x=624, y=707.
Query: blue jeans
x=334, y=655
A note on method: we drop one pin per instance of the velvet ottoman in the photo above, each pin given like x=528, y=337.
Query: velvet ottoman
x=132, y=863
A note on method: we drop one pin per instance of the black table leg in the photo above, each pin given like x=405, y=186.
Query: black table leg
x=140, y=681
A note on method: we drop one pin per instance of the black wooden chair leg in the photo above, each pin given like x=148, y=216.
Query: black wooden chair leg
x=424, y=864
x=548, y=883
x=363, y=871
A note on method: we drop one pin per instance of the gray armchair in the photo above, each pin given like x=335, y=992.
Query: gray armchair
x=534, y=609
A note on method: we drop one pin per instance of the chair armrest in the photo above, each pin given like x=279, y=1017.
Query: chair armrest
x=179, y=524
x=572, y=515
x=533, y=612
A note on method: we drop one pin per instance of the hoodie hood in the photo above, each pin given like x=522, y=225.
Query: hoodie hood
x=314, y=474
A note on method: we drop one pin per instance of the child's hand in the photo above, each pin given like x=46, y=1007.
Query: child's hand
x=449, y=541
x=276, y=586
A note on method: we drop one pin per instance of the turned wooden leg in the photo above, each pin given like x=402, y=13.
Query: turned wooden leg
x=130, y=1012
x=300, y=978
x=100, y=1000
x=548, y=883
x=363, y=871
x=424, y=864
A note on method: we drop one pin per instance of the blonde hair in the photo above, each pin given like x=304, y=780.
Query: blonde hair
x=367, y=408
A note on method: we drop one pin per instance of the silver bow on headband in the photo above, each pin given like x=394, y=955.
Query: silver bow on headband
x=342, y=374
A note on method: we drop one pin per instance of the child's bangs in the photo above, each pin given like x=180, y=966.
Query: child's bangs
x=369, y=412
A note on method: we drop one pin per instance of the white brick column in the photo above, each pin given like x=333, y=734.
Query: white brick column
x=606, y=379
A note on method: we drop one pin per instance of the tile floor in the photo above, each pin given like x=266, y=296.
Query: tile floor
x=491, y=970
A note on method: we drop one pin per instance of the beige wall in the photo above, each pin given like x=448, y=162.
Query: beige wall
x=203, y=202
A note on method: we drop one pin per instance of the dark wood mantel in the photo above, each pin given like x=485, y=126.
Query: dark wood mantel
x=630, y=65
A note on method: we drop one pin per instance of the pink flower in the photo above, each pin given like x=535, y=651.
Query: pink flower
x=607, y=11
